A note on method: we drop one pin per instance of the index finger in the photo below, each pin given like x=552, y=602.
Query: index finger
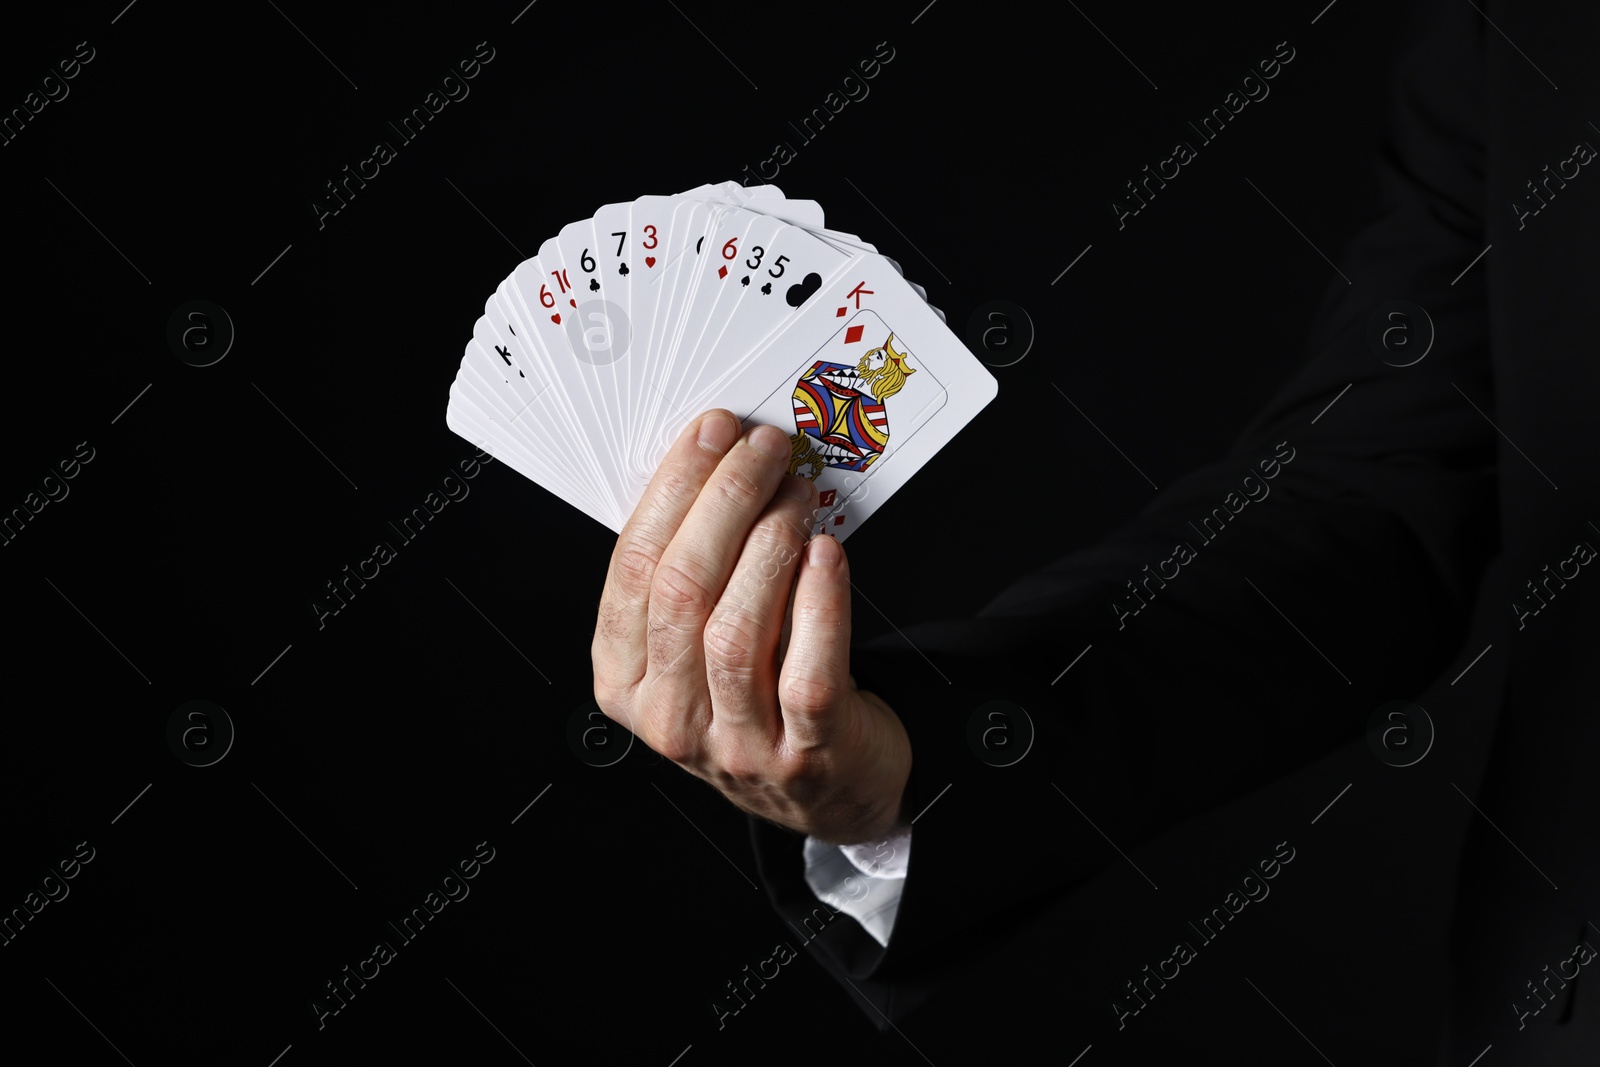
x=619, y=642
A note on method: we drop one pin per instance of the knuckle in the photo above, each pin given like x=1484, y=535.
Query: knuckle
x=732, y=643
x=818, y=613
x=674, y=749
x=678, y=591
x=789, y=523
x=800, y=775
x=807, y=694
x=672, y=737
x=739, y=490
x=741, y=763
x=676, y=483
x=633, y=566
x=780, y=534
x=770, y=549
x=737, y=767
x=614, y=623
x=612, y=693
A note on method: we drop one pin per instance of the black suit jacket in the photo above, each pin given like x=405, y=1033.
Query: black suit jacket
x=1402, y=526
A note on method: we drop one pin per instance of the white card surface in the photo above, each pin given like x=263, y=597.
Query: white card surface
x=592, y=356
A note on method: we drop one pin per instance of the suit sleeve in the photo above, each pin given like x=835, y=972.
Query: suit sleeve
x=1245, y=623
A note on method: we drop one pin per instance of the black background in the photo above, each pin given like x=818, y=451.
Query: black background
x=432, y=710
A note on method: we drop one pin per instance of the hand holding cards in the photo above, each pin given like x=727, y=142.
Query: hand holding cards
x=591, y=357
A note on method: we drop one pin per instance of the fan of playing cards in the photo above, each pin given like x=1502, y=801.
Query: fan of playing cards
x=592, y=357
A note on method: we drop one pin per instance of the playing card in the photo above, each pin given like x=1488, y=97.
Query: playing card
x=882, y=387
x=791, y=267
x=526, y=403
x=543, y=298
x=606, y=331
x=472, y=414
x=664, y=298
x=515, y=398
x=590, y=357
x=795, y=267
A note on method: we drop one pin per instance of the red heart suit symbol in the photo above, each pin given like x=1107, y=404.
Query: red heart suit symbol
x=649, y=261
x=556, y=319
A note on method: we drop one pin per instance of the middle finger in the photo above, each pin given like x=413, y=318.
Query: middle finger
x=696, y=565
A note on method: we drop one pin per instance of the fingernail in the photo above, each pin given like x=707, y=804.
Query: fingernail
x=718, y=432
x=770, y=442
x=796, y=488
x=824, y=551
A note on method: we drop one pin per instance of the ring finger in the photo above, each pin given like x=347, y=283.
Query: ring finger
x=742, y=635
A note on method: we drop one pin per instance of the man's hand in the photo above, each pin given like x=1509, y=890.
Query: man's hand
x=700, y=653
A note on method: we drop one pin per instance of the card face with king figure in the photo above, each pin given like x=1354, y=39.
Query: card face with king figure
x=596, y=353
x=869, y=384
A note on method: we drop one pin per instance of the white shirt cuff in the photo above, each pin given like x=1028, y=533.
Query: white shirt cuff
x=882, y=859
x=862, y=881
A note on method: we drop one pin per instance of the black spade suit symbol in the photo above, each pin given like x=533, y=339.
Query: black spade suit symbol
x=799, y=294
